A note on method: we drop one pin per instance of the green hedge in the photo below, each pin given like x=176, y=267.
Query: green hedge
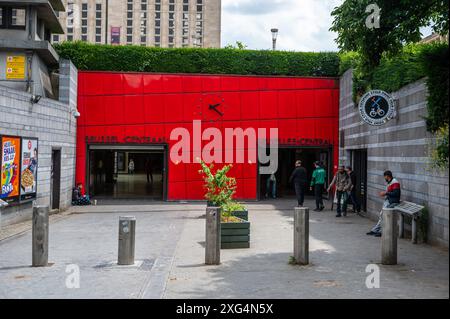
x=208, y=61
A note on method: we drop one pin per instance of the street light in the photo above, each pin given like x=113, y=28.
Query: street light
x=274, y=38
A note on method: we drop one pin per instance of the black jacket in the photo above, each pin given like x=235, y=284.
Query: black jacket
x=299, y=176
x=353, y=179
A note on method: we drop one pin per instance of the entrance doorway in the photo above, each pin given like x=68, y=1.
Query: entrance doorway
x=359, y=163
x=286, y=164
x=127, y=173
x=55, y=179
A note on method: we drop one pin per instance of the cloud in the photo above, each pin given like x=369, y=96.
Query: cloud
x=303, y=24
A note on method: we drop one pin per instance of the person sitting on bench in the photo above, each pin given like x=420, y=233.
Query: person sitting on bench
x=78, y=199
x=391, y=199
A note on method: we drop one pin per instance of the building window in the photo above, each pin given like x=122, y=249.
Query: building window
x=12, y=18
x=143, y=26
x=130, y=22
x=171, y=23
x=55, y=38
x=69, y=21
x=185, y=24
x=198, y=37
x=157, y=23
x=98, y=23
x=84, y=21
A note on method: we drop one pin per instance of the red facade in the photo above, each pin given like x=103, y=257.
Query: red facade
x=143, y=108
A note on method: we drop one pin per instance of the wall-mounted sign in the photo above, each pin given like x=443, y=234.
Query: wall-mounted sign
x=376, y=107
x=15, y=67
x=29, y=167
x=115, y=35
x=10, y=168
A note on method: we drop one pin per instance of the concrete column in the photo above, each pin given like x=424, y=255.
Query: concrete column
x=301, y=235
x=39, y=234
x=389, y=237
x=127, y=232
x=212, y=246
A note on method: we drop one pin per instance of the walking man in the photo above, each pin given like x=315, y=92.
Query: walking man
x=343, y=185
x=391, y=199
x=271, y=181
x=318, y=183
x=131, y=167
x=354, y=200
x=299, y=178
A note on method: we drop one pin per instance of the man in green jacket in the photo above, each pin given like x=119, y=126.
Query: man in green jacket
x=318, y=183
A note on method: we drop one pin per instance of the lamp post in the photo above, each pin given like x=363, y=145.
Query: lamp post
x=274, y=38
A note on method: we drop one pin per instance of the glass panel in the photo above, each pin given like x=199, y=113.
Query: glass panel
x=18, y=17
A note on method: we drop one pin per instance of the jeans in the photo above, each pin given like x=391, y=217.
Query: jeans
x=318, y=189
x=354, y=200
x=273, y=189
x=378, y=227
x=341, y=196
x=300, y=192
x=82, y=201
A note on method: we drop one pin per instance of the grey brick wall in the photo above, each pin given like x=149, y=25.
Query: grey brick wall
x=53, y=123
x=402, y=146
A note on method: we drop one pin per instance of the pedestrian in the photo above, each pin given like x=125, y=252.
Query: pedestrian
x=149, y=170
x=131, y=167
x=391, y=199
x=78, y=197
x=318, y=184
x=271, y=186
x=343, y=185
x=299, y=178
x=352, y=193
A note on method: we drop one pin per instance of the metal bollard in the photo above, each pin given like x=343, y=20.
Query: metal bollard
x=389, y=237
x=301, y=235
x=40, y=236
x=127, y=232
x=212, y=245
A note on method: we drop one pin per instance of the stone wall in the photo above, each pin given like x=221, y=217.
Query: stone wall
x=402, y=146
x=53, y=123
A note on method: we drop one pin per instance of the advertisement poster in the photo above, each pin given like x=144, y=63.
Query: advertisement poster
x=10, y=168
x=15, y=67
x=115, y=35
x=29, y=166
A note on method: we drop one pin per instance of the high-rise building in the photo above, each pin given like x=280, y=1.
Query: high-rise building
x=160, y=23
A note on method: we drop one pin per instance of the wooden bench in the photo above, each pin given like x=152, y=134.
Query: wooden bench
x=411, y=209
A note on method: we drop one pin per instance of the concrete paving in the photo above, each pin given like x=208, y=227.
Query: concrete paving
x=170, y=255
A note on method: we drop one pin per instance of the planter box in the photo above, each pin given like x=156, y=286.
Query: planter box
x=235, y=235
x=241, y=214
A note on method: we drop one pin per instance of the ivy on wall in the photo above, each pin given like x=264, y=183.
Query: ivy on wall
x=87, y=56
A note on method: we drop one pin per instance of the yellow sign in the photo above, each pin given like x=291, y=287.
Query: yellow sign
x=15, y=67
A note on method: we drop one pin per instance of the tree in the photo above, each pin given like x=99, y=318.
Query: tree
x=373, y=28
x=239, y=46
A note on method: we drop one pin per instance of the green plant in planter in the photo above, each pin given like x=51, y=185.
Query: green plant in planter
x=220, y=188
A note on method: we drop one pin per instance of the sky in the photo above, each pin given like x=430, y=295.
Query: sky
x=303, y=24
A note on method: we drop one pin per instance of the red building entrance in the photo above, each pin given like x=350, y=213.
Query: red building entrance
x=127, y=120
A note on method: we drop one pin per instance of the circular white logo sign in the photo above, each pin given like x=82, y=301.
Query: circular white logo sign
x=376, y=107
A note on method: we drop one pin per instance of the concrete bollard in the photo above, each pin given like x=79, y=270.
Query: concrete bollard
x=127, y=233
x=39, y=234
x=212, y=245
x=301, y=235
x=389, y=237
